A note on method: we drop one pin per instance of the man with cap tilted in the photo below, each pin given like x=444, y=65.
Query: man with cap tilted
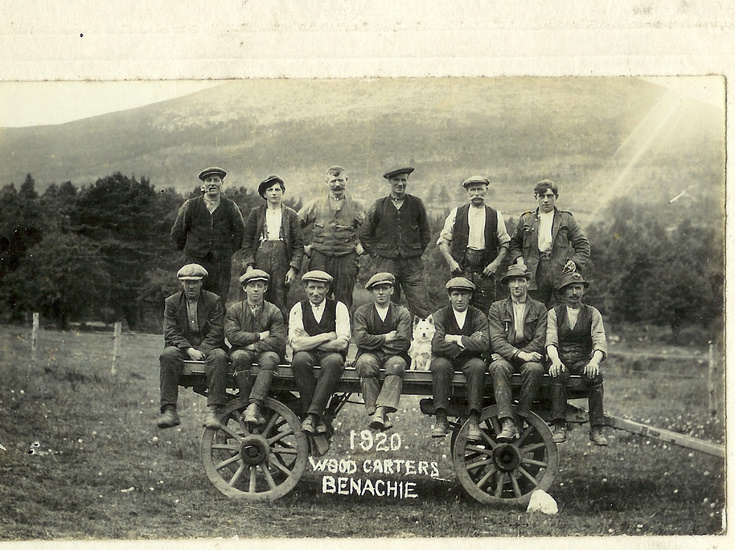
x=517, y=328
x=549, y=242
x=319, y=334
x=474, y=242
x=396, y=232
x=383, y=336
x=460, y=341
x=335, y=220
x=257, y=334
x=576, y=344
x=193, y=329
x=273, y=241
x=209, y=230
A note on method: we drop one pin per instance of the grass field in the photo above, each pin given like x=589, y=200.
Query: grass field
x=102, y=470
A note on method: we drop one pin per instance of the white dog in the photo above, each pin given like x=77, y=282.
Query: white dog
x=420, y=350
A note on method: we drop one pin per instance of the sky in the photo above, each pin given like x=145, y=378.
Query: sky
x=41, y=103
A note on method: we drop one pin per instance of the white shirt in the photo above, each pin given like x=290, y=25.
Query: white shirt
x=382, y=312
x=476, y=237
x=273, y=224
x=460, y=317
x=519, y=315
x=545, y=223
x=211, y=204
x=296, y=320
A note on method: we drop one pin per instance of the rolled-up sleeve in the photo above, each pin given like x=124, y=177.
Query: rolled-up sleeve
x=552, y=334
x=343, y=322
x=599, y=340
x=447, y=233
x=502, y=232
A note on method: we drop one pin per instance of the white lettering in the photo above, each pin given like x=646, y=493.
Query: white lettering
x=410, y=467
x=410, y=485
x=328, y=486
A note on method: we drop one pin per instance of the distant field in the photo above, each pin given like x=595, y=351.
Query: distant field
x=102, y=470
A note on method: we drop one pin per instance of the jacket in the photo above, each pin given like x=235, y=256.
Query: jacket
x=197, y=232
x=290, y=233
x=389, y=232
x=366, y=319
x=473, y=347
x=334, y=233
x=242, y=328
x=210, y=317
x=503, y=337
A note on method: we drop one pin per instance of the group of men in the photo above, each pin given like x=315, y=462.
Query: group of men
x=547, y=250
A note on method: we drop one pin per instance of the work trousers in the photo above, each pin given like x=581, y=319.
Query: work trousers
x=409, y=274
x=218, y=266
x=368, y=369
x=343, y=268
x=314, y=393
x=242, y=361
x=472, y=268
x=544, y=292
x=442, y=372
x=215, y=371
x=271, y=258
x=531, y=374
x=594, y=395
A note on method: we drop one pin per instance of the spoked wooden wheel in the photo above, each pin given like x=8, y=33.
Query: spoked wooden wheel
x=505, y=473
x=259, y=463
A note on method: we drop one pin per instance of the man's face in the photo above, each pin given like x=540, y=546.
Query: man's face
x=192, y=289
x=212, y=185
x=337, y=184
x=546, y=200
x=518, y=287
x=274, y=194
x=460, y=300
x=398, y=185
x=255, y=291
x=477, y=194
x=316, y=292
x=573, y=294
x=381, y=294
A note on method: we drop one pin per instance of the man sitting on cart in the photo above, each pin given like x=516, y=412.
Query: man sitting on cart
x=257, y=333
x=319, y=334
x=517, y=328
x=193, y=328
x=576, y=344
x=383, y=336
x=459, y=343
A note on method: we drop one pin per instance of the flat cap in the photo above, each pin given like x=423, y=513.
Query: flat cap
x=254, y=275
x=515, y=271
x=192, y=272
x=267, y=182
x=571, y=278
x=317, y=276
x=460, y=283
x=383, y=278
x=475, y=180
x=213, y=171
x=396, y=171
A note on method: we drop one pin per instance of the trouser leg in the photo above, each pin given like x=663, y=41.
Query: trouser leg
x=242, y=360
x=345, y=273
x=215, y=369
x=390, y=393
x=368, y=369
x=332, y=365
x=442, y=372
x=558, y=388
x=474, y=372
x=303, y=372
x=271, y=257
x=500, y=372
x=172, y=362
x=268, y=362
x=544, y=292
x=531, y=374
x=594, y=400
x=414, y=285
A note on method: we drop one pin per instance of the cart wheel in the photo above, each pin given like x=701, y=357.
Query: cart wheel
x=255, y=464
x=505, y=473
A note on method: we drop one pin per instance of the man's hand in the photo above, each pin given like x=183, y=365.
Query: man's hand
x=359, y=249
x=556, y=368
x=290, y=276
x=569, y=267
x=195, y=354
x=250, y=347
x=454, y=268
x=249, y=268
x=495, y=356
x=392, y=335
x=477, y=335
x=527, y=357
x=592, y=369
x=265, y=334
x=491, y=268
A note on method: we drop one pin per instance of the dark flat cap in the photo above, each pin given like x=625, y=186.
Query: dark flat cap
x=254, y=275
x=460, y=283
x=192, y=272
x=213, y=171
x=317, y=276
x=396, y=171
x=267, y=182
x=475, y=180
x=515, y=271
x=383, y=278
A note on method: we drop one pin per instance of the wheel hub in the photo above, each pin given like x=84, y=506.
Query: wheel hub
x=506, y=457
x=254, y=450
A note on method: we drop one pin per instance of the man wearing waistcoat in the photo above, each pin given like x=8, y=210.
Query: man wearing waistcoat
x=193, y=329
x=335, y=220
x=256, y=332
x=383, y=336
x=273, y=242
x=474, y=242
x=396, y=232
x=576, y=344
x=549, y=242
x=517, y=328
x=319, y=334
x=460, y=342
x=209, y=230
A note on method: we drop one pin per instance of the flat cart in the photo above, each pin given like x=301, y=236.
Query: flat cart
x=264, y=464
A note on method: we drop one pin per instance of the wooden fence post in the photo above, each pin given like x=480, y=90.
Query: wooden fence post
x=712, y=393
x=116, y=347
x=34, y=340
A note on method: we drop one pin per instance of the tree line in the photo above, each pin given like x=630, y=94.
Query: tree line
x=103, y=251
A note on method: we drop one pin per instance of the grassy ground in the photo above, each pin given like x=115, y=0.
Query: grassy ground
x=102, y=470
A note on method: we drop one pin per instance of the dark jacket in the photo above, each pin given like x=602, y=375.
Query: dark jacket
x=334, y=233
x=197, y=232
x=242, y=328
x=568, y=243
x=290, y=234
x=389, y=232
x=367, y=337
x=503, y=337
x=210, y=317
x=473, y=347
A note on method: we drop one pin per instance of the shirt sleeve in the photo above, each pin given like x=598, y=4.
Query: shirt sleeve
x=447, y=232
x=295, y=323
x=342, y=322
x=502, y=232
x=599, y=340
x=552, y=334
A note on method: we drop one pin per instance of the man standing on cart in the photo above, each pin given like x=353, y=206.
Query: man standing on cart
x=257, y=333
x=319, y=334
x=383, y=336
x=459, y=343
x=517, y=328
